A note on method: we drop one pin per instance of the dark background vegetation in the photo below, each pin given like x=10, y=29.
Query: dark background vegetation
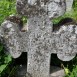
x=7, y=7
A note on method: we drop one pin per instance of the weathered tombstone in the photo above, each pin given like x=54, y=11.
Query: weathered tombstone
x=40, y=41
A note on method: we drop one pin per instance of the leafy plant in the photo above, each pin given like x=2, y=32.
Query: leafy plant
x=7, y=7
x=73, y=73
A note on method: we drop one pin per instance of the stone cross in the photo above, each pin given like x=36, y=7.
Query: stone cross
x=40, y=41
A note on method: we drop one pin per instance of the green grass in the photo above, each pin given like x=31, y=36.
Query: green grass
x=7, y=7
x=3, y=66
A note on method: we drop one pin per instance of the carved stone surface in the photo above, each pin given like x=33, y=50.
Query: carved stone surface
x=66, y=42
x=39, y=46
x=52, y=8
x=10, y=38
x=40, y=41
x=69, y=4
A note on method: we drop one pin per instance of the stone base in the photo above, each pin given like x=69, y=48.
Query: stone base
x=55, y=71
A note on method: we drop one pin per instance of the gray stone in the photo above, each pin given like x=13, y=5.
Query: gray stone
x=52, y=8
x=10, y=37
x=54, y=71
x=40, y=41
x=69, y=4
x=57, y=72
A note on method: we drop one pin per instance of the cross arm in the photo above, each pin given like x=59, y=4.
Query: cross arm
x=65, y=42
x=9, y=36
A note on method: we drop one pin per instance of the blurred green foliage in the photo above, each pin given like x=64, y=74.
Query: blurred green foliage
x=7, y=7
x=4, y=59
x=73, y=73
